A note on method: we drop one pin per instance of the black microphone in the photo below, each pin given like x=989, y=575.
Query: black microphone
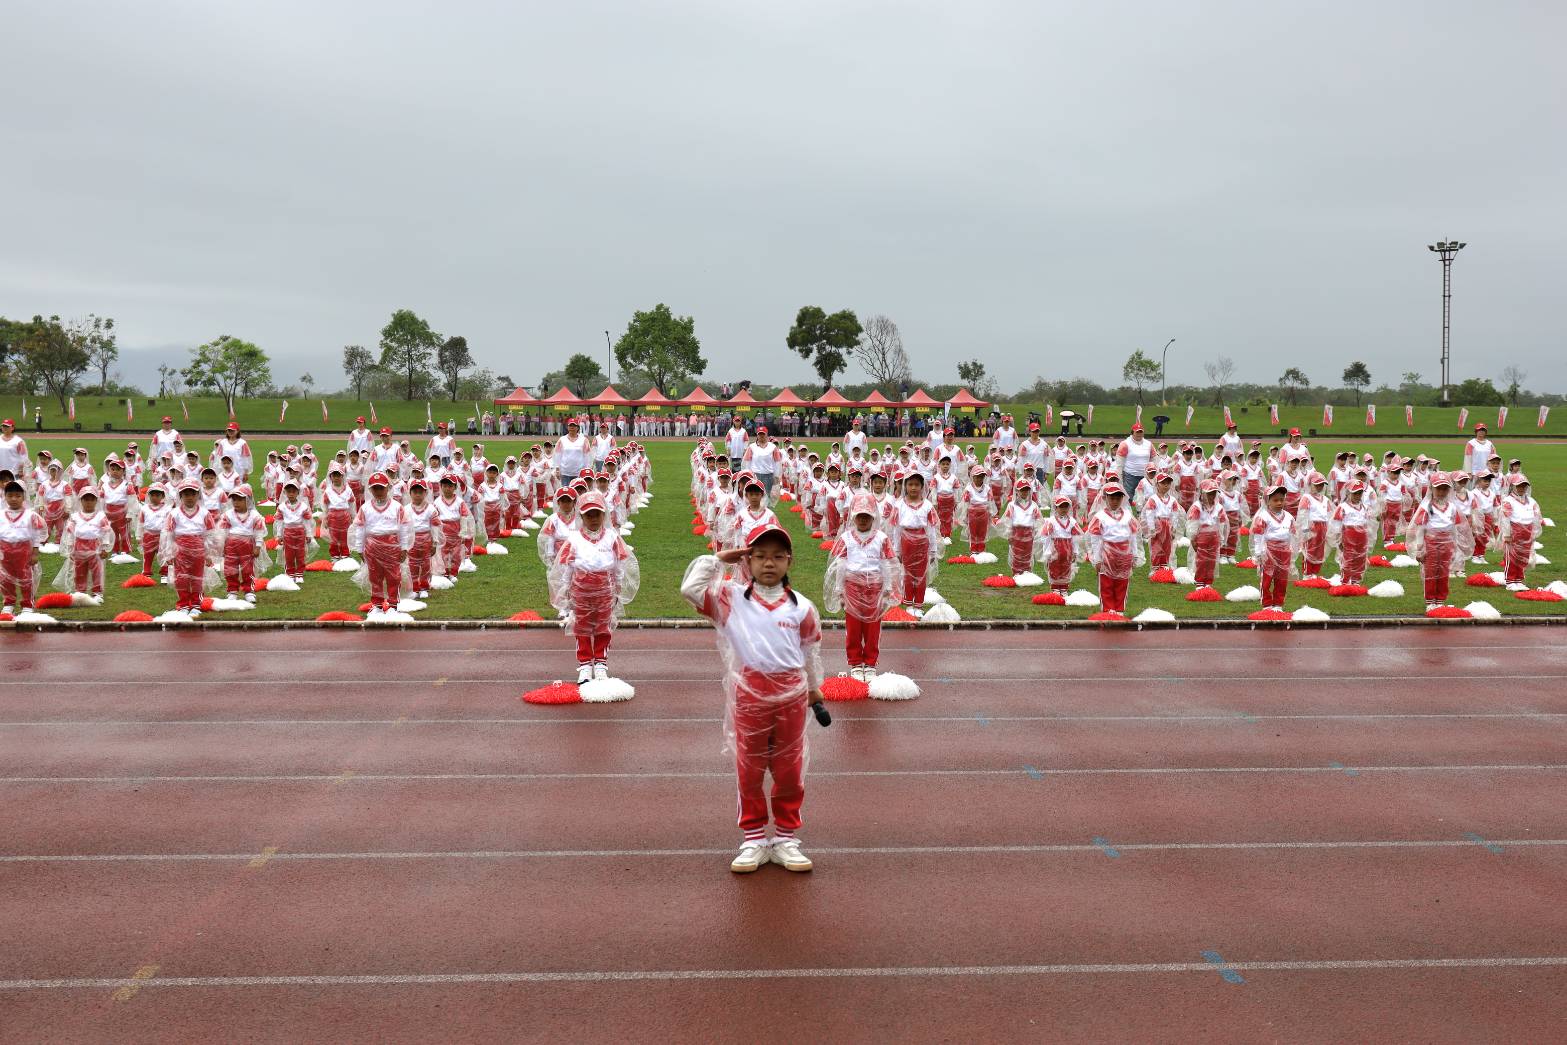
x=820, y=711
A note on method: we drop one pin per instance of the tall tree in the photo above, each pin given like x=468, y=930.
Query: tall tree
x=825, y=341
x=97, y=337
x=1357, y=376
x=358, y=364
x=582, y=372
x=407, y=347
x=306, y=383
x=169, y=380
x=1513, y=377
x=661, y=344
x=52, y=357
x=452, y=358
x=1292, y=381
x=1140, y=371
x=1219, y=373
x=228, y=366
x=880, y=353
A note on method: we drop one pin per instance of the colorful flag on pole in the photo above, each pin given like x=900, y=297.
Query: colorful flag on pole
x=1409, y=415
x=1139, y=417
x=1545, y=412
x=130, y=412
x=372, y=415
x=1050, y=416
x=1501, y=417
x=185, y=410
x=429, y=418
x=1273, y=413
x=324, y=416
x=70, y=408
x=1090, y=419
x=1371, y=415
x=1227, y=421
x=231, y=409
x=1463, y=417
x=283, y=412
x=1190, y=410
x=1327, y=415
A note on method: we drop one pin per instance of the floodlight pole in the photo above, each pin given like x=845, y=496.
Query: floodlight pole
x=1446, y=250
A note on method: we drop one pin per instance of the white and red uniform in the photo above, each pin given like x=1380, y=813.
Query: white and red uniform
x=456, y=531
x=360, y=439
x=862, y=573
x=237, y=450
x=1063, y=548
x=1115, y=551
x=1158, y=521
x=423, y=561
x=571, y=457
x=243, y=536
x=1273, y=542
x=163, y=441
x=384, y=535
x=386, y=457
x=1316, y=512
x=1350, y=531
x=944, y=488
x=339, y=503
x=1519, y=522
x=975, y=516
x=152, y=520
x=292, y=525
x=1433, y=539
x=441, y=445
x=916, y=537
x=114, y=498
x=87, y=537
x=13, y=456
x=184, y=548
x=21, y=532
x=593, y=577
x=80, y=475
x=1022, y=523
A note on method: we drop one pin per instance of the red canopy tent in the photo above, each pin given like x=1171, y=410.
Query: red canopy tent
x=921, y=400
x=609, y=399
x=966, y=400
x=699, y=399
x=787, y=398
x=832, y=399
x=562, y=401
x=878, y=402
x=653, y=400
x=517, y=398
x=742, y=400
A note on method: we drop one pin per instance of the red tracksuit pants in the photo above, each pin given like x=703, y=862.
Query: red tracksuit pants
x=239, y=565
x=978, y=528
x=1275, y=570
x=149, y=554
x=293, y=545
x=419, y=556
x=384, y=562
x=119, y=523
x=337, y=523
x=16, y=574
x=1517, y=552
x=1436, y=565
x=1118, y=559
x=1205, y=557
x=190, y=569
x=769, y=718
x=592, y=605
x=87, y=567
x=1352, y=546
x=1315, y=548
x=862, y=629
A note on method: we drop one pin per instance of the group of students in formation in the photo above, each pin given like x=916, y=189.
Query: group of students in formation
x=414, y=524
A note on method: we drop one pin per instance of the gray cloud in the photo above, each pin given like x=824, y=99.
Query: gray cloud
x=1043, y=186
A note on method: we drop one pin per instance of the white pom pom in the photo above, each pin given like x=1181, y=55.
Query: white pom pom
x=1558, y=587
x=1309, y=615
x=893, y=687
x=441, y=583
x=232, y=605
x=34, y=617
x=345, y=566
x=49, y=549
x=1082, y=597
x=268, y=504
x=1499, y=577
x=942, y=613
x=389, y=617
x=1539, y=560
x=1029, y=579
x=282, y=583
x=932, y=596
x=1184, y=575
x=605, y=691
x=1183, y=542
x=1403, y=562
x=172, y=617
x=1550, y=524
x=80, y=599
x=984, y=558
x=1154, y=615
x=1336, y=579
x=1386, y=590
x=946, y=541
x=409, y=606
x=1483, y=611
x=123, y=558
x=1537, y=547
x=468, y=566
x=538, y=515
x=1245, y=593
x=496, y=548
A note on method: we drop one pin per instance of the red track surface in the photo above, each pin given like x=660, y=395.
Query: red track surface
x=1367, y=829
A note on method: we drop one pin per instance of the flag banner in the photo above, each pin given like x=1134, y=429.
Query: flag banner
x=130, y=412
x=372, y=415
x=1327, y=415
x=1050, y=416
x=231, y=409
x=184, y=410
x=1463, y=417
x=1227, y=421
x=324, y=415
x=24, y=410
x=1090, y=415
x=1139, y=417
x=70, y=409
x=429, y=418
x=1409, y=415
x=1501, y=417
x=283, y=412
x=1545, y=412
x=1190, y=410
x=1273, y=413
x=1371, y=415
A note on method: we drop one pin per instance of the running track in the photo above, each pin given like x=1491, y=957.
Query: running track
x=329, y=836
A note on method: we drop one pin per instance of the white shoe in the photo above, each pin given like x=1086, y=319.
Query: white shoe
x=867, y=673
x=786, y=853
x=5, y=609
x=375, y=613
x=250, y=597
x=601, y=670
x=584, y=673
x=751, y=856
x=194, y=613
x=1515, y=586
x=915, y=611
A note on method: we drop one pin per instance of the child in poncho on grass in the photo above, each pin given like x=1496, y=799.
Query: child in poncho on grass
x=592, y=579
x=863, y=582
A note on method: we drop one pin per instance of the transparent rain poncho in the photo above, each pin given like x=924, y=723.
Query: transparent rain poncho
x=192, y=556
x=973, y=517
x=232, y=544
x=1433, y=538
x=19, y=570
x=1022, y=524
x=593, y=579
x=84, y=542
x=1114, y=558
x=917, y=542
x=1519, y=522
x=861, y=580
x=1281, y=553
x=1350, y=533
x=381, y=553
x=1207, y=527
x=1063, y=543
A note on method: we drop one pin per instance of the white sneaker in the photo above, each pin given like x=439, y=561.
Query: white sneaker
x=867, y=674
x=584, y=673
x=375, y=612
x=751, y=856
x=250, y=597
x=601, y=670
x=856, y=673
x=1515, y=586
x=5, y=609
x=786, y=853
x=194, y=613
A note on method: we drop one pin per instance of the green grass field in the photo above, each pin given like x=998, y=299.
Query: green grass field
x=664, y=545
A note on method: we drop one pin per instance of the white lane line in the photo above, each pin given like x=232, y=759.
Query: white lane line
x=912, y=850
x=1233, y=717
x=1297, y=640
x=363, y=778
x=1043, y=680
x=869, y=972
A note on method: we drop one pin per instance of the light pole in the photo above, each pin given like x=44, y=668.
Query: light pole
x=1446, y=250
x=609, y=357
x=1162, y=357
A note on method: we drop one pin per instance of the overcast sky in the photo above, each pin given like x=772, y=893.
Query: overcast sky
x=1046, y=186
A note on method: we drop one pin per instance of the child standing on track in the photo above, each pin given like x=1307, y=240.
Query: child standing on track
x=770, y=639
x=863, y=581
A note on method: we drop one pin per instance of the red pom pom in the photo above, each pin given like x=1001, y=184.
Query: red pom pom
x=554, y=693
x=796, y=509
x=271, y=544
x=319, y=566
x=260, y=585
x=1380, y=561
x=1348, y=591
x=1398, y=546
x=1271, y=613
x=318, y=533
x=132, y=617
x=332, y=615
x=479, y=549
x=1313, y=582
x=1245, y=531
x=1529, y=595
x=841, y=688
x=1049, y=598
x=1207, y=593
x=364, y=607
x=7, y=616
x=505, y=534
x=1163, y=575
x=786, y=496
x=1481, y=580
x=140, y=580
x=524, y=615
x=699, y=531
x=1449, y=613
x=816, y=535
x=1000, y=580
x=206, y=604
x=958, y=560
x=1107, y=615
x=53, y=600
x=1246, y=564
x=898, y=615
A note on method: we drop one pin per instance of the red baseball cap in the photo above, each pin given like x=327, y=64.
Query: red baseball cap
x=1137, y=426
x=360, y=420
x=233, y=426
x=379, y=479
x=1294, y=431
x=8, y=423
x=763, y=530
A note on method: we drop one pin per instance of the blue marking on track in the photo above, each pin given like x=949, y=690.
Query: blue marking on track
x=1033, y=773
x=1110, y=850
x=1341, y=767
x=1247, y=716
x=1230, y=975
x=1490, y=847
x=982, y=720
